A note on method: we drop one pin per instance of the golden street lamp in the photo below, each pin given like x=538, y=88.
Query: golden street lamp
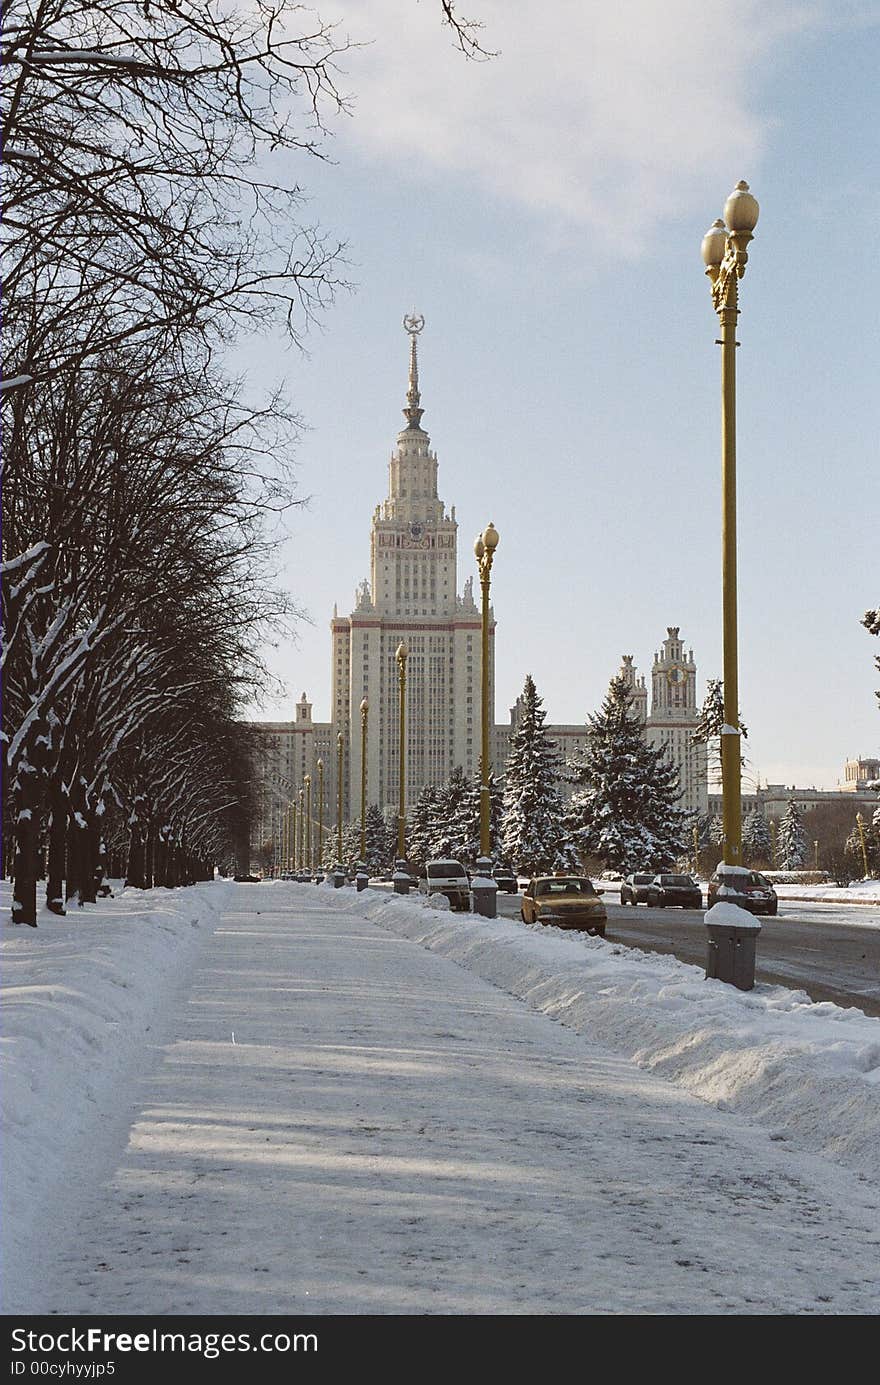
x=339, y=748
x=299, y=845
x=321, y=817
x=401, y=656
x=365, y=711
x=860, y=823
x=484, y=550
x=307, y=780
x=725, y=257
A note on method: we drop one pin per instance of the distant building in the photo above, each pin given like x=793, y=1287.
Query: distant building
x=411, y=596
x=858, y=774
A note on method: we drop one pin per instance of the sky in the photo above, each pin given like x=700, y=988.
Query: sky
x=544, y=211
x=384, y=1108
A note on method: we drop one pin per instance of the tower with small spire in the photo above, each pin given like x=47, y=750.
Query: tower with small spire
x=675, y=716
x=411, y=595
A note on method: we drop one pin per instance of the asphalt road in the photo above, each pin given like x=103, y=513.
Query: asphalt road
x=822, y=949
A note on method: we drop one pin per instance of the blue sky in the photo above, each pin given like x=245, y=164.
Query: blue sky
x=544, y=212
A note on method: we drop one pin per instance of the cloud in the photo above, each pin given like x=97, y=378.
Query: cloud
x=609, y=116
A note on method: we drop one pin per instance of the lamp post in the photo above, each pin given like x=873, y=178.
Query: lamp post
x=860, y=823
x=401, y=657
x=307, y=781
x=321, y=818
x=339, y=748
x=484, y=549
x=365, y=710
x=291, y=836
x=299, y=844
x=724, y=255
x=484, y=887
x=816, y=853
x=340, y=744
x=696, y=849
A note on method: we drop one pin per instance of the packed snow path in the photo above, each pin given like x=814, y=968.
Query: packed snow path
x=340, y=1121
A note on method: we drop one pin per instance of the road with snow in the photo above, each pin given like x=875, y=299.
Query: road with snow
x=825, y=949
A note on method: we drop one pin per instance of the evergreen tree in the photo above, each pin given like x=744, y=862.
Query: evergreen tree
x=449, y=833
x=856, y=856
x=420, y=827
x=791, y=839
x=469, y=822
x=625, y=808
x=757, y=845
x=533, y=813
x=711, y=721
x=380, y=850
x=716, y=830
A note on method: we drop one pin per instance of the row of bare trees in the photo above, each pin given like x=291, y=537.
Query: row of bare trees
x=140, y=482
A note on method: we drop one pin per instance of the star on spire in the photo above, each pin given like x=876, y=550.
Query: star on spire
x=413, y=324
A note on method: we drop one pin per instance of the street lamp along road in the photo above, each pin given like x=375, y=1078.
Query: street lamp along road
x=365, y=709
x=307, y=780
x=340, y=742
x=320, y=768
x=725, y=257
x=401, y=878
x=485, y=890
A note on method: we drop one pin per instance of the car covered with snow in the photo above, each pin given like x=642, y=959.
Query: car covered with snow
x=748, y=888
x=447, y=877
x=669, y=891
x=564, y=901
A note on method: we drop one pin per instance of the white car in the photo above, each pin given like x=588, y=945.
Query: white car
x=450, y=879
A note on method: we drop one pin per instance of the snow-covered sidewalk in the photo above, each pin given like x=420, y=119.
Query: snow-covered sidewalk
x=313, y=1101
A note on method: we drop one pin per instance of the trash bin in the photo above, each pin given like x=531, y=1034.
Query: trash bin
x=362, y=878
x=401, y=878
x=338, y=877
x=485, y=890
x=733, y=936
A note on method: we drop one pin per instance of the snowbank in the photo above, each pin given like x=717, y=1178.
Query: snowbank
x=82, y=995
x=808, y=1072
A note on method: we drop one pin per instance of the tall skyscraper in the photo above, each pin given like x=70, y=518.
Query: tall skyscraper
x=411, y=596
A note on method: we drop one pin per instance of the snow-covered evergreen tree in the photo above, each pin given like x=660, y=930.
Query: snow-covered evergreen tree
x=709, y=728
x=380, y=848
x=757, y=845
x=791, y=839
x=625, y=806
x=716, y=830
x=449, y=830
x=532, y=830
x=855, y=855
x=420, y=826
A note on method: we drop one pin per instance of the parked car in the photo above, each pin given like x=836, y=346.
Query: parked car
x=674, y=891
x=749, y=889
x=505, y=877
x=565, y=901
x=449, y=878
x=247, y=879
x=634, y=889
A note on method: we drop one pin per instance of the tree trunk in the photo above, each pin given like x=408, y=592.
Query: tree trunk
x=150, y=856
x=134, y=875
x=57, y=850
x=77, y=856
x=24, y=870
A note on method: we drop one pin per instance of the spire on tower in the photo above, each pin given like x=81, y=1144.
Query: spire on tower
x=413, y=324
